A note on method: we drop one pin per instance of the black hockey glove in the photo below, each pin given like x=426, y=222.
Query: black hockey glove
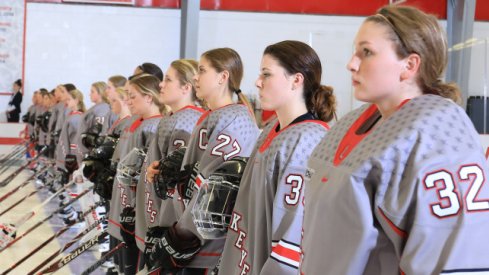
x=127, y=219
x=70, y=163
x=170, y=174
x=186, y=188
x=153, y=236
x=173, y=251
x=25, y=118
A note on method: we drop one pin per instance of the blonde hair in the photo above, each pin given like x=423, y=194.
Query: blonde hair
x=118, y=80
x=76, y=94
x=186, y=69
x=121, y=93
x=413, y=31
x=227, y=59
x=147, y=84
x=100, y=87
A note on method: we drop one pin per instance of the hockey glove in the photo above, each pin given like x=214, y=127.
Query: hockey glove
x=170, y=174
x=186, y=188
x=153, y=236
x=173, y=251
x=127, y=219
x=70, y=163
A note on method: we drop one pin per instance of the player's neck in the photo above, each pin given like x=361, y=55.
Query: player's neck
x=180, y=104
x=288, y=113
x=219, y=101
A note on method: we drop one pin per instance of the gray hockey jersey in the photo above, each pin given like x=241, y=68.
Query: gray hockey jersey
x=109, y=120
x=408, y=196
x=119, y=125
x=221, y=134
x=60, y=121
x=173, y=131
x=67, y=138
x=265, y=231
x=97, y=114
x=56, y=111
x=137, y=135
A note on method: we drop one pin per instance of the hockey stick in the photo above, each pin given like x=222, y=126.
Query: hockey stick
x=11, y=162
x=18, y=202
x=102, y=259
x=46, y=242
x=70, y=243
x=33, y=212
x=9, y=193
x=44, y=220
x=74, y=254
x=18, y=171
x=17, y=148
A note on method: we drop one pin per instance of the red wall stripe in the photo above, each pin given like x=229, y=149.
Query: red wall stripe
x=10, y=141
x=330, y=7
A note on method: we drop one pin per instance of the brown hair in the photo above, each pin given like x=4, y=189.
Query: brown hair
x=298, y=57
x=148, y=84
x=118, y=80
x=227, y=59
x=121, y=93
x=76, y=94
x=186, y=70
x=413, y=31
x=100, y=87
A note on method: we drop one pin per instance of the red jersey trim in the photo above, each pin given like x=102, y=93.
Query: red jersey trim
x=403, y=234
x=192, y=107
x=286, y=252
x=273, y=133
x=138, y=122
x=75, y=113
x=351, y=139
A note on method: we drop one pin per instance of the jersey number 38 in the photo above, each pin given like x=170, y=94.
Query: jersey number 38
x=450, y=200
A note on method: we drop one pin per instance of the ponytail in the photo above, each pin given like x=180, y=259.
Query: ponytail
x=322, y=103
x=446, y=90
x=244, y=100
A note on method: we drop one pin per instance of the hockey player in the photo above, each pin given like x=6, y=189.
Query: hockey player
x=58, y=110
x=265, y=230
x=397, y=186
x=228, y=130
x=114, y=82
x=143, y=102
x=176, y=91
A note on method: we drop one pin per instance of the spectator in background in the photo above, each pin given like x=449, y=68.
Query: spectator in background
x=13, y=110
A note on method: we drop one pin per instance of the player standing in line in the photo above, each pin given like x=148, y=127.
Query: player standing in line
x=67, y=145
x=174, y=130
x=265, y=231
x=228, y=130
x=114, y=82
x=56, y=110
x=398, y=185
x=143, y=102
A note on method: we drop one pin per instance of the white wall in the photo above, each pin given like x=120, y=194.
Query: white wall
x=83, y=44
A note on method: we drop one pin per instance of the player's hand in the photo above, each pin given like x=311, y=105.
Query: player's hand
x=152, y=170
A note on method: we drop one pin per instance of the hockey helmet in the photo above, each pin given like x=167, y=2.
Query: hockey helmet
x=129, y=168
x=216, y=197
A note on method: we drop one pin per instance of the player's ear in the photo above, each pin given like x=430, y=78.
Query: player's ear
x=297, y=80
x=410, y=66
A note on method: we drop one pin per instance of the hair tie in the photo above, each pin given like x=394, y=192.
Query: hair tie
x=238, y=91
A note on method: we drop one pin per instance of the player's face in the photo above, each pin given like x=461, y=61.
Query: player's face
x=274, y=84
x=110, y=88
x=71, y=103
x=94, y=95
x=115, y=103
x=375, y=68
x=138, y=103
x=171, y=91
x=206, y=80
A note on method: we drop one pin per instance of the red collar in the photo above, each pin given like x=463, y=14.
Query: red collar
x=351, y=139
x=138, y=122
x=75, y=113
x=273, y=133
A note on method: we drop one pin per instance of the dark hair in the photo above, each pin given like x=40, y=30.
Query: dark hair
x=69, y=87
x=18, y=82
x=152, y=69
x=227, y=59
x=413, y=31
x=298, y=57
